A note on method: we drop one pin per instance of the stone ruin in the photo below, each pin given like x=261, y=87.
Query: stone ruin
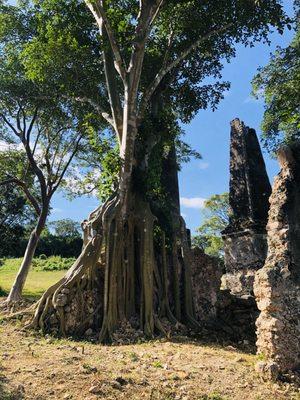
x=277, y=284
x=244, y=238
x=262, y=251
x=206, y=281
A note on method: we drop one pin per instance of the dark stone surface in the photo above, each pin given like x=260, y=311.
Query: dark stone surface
x=249, y=187
x=249, y=191
x=170, y=180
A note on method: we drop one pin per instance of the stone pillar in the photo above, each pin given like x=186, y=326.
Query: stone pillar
x=277, y=284
x=206, y=281
x=249, y=190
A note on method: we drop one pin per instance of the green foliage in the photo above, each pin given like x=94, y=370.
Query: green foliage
x=102, y=165
x=49, y=55
x=279, y=84
x=2, y=292
x=66, y=228
x=53, y=263
x=216, y=218
x=41, y=263
x=14, y=209
x=157, y=364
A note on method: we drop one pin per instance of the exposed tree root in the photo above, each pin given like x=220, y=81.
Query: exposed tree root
x=134, y=283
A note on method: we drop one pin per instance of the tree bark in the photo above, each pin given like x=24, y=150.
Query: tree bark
x=15, y=293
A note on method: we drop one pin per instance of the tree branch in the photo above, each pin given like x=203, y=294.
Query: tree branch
x=25, y=189
x=96, y=8
x=165, y=69
x=96, y=107
x=112, y=89
x=10, y=125
x=67, y=164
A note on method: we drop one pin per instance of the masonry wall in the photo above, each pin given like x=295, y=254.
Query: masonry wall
x=277, y=284
x=206, y=281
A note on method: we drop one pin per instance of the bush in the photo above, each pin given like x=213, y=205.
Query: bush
x=2, y=292
x=54, y=263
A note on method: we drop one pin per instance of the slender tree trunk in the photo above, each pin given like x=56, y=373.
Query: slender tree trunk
x=15, y=293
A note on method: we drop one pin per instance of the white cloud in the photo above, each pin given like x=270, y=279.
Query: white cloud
x=56, y=210
x=192, y=202
x=253, y=100
x=4, y=146
x=203, y=165
x=183, y=215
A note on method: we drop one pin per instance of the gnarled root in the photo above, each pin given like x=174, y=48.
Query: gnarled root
x=59, y=295
x=119, y=277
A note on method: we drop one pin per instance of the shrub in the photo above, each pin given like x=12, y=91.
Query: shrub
x=53, y=263
x=2, y=292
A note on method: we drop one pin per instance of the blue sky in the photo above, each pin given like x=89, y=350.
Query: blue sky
x=209, y=134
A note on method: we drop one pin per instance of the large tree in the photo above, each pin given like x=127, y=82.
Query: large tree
x=154, y=54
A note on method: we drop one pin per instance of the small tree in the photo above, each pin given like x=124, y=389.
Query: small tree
x=39, y=125
x=216, y=218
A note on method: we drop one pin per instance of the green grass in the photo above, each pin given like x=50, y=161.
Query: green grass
x=38, y=279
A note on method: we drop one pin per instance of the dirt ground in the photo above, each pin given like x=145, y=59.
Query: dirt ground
x=41, y=368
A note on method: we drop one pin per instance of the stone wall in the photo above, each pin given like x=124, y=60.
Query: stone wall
x=249, y=190
x=277, y=284
x=206, y=280
x=245, y=253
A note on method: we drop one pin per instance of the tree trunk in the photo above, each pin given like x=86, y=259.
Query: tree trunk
x=15, y=293
x=124, y=274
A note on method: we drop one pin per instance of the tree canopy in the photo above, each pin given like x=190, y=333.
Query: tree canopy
x=279, y=84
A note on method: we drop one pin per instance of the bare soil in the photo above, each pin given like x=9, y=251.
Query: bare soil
x=44, y=368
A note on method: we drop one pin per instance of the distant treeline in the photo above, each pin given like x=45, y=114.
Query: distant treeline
x=50, y=245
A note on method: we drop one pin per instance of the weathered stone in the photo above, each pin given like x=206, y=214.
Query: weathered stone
x=206, y=280
x=245, y=237
x=236, y=317
x=277, y=284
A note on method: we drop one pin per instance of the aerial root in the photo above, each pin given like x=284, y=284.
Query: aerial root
x=85, y=262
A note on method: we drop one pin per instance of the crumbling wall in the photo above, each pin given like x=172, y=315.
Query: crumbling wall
x=277, y=284
x=206, y=280
x=245, y=242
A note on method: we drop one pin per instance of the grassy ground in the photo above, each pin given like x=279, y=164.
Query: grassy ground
x=38, y=279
